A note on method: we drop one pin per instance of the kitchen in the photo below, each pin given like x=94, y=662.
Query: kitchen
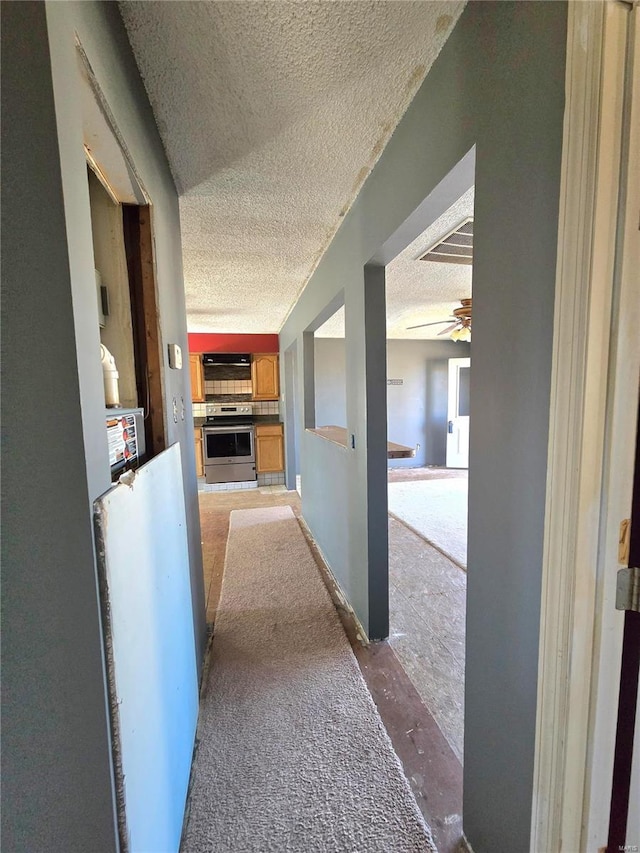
x=239, y=441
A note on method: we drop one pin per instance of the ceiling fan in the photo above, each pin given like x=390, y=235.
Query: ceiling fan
x=460, y=329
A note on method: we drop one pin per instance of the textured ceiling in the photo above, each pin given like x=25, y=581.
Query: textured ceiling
x=420, y=291
x=272, y=115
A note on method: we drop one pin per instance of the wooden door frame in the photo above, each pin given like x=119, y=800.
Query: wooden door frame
x=589, y=464
x=147, y=341
x=127, y=189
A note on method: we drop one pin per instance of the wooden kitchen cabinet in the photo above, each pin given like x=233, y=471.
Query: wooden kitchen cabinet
x=197, y=436
x=269, y=448
x=197, y=377
x=265, y=376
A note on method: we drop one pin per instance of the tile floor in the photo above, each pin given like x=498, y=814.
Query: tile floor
x=263, y=481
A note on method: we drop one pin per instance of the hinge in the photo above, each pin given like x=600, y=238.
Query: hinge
x=628, y=590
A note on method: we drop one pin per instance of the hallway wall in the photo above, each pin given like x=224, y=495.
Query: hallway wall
x=497, y=84
x=58, y=788
x=55, y=739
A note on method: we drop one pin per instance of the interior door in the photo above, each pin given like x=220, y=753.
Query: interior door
x=624, y=777
x=458, y=413
x=624, y=815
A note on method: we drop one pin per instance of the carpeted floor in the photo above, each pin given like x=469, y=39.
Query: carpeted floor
x=292, y=754
x=436, y=510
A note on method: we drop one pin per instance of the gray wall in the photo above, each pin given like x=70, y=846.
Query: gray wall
x=330, y=380
x=497, y=84
x=57, y=782
x=416, y=410
x=57, y=789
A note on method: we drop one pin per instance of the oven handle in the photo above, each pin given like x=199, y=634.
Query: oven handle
x=228, y=429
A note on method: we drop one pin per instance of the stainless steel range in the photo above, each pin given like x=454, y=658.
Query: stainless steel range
x=229, y=446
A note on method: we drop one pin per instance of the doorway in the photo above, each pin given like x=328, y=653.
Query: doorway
x=459, y=390
x=428, y=387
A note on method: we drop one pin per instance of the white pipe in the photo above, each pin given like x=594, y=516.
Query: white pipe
x=110, y=377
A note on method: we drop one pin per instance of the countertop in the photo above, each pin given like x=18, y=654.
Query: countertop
x=339, y=435
x=255, y=419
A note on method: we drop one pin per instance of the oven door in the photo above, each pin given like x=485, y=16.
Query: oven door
x=224, y=445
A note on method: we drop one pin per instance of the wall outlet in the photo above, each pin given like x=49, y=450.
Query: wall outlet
x=175, y=357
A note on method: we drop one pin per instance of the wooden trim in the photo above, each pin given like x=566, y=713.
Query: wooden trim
x=624, y=373
x=583, y=310
x=146, y=327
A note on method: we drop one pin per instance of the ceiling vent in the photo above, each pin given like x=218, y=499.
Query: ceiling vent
x=455, y=248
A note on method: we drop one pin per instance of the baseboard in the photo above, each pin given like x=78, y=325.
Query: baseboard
x=333, y=586
x=464, y=846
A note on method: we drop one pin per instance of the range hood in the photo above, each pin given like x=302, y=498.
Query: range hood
x=233, y=359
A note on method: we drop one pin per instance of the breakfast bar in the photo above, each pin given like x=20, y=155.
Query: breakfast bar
x=339, y=435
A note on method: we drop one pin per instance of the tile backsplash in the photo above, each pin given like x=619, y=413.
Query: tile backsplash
x=271, y=407
x=227, y=386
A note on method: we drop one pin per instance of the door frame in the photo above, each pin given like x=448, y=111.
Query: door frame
x=289, y=384
x=590, y=465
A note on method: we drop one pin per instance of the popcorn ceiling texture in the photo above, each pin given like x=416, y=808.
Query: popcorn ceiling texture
x=272, y=115
x=420, y=291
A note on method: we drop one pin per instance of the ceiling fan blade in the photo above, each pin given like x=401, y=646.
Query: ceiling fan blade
x=424, y=325
x=449, y=329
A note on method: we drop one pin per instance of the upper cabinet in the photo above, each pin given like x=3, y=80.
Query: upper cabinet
x=197, y=378
x=265, y=376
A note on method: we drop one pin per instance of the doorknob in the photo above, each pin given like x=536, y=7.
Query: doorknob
x=450, y=427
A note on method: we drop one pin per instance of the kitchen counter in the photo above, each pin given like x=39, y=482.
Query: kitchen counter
x=339, y=435
x=266, y=419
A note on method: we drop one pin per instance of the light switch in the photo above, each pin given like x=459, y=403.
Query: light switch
x=175, y=357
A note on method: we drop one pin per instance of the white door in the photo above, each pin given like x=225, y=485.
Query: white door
x=458, y=413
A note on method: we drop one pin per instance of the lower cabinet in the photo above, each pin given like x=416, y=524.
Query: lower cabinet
x=197, y=435
x=269, y=448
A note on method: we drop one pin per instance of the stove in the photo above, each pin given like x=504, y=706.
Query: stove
x=229, y=443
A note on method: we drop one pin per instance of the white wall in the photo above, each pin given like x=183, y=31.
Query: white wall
x=153, y=670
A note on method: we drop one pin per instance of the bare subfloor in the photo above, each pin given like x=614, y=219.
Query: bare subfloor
x=427, y=609
x=433, y=770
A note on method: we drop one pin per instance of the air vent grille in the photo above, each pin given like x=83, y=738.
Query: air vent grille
x=455, y=248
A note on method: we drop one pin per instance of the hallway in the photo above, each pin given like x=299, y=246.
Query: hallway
x=429, y=763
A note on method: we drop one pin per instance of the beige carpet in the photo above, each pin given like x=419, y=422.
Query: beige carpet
x=291, y=755
x=435, y=510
